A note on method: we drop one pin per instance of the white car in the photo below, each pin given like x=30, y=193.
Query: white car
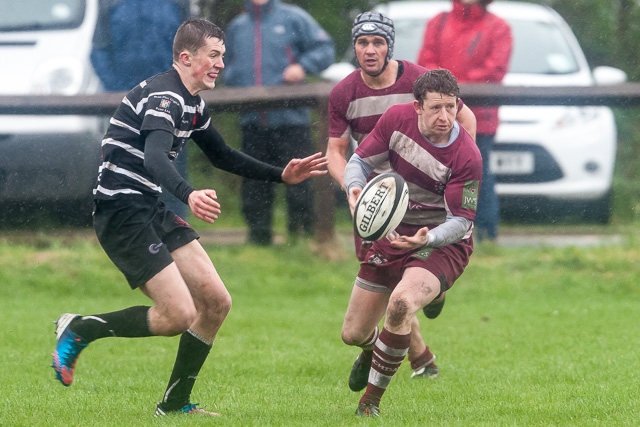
x=48, y=162
x=547, y=159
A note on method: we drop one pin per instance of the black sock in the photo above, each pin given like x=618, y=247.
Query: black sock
x=132, y=322
x=192, y=353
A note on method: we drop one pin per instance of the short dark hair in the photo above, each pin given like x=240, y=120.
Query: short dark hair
x=440, y=80
x=192, y=35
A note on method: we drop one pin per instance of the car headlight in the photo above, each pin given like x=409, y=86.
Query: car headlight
x=59, y=76
x=576, y=116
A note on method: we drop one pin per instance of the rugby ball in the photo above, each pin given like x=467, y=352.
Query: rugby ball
x=381, y=206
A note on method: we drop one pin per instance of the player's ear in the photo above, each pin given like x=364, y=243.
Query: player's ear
x=185, y=58
x=417, y=105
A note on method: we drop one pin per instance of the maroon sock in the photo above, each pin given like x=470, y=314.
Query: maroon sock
x=388, y=353
x=422, y=360
x=367, y=346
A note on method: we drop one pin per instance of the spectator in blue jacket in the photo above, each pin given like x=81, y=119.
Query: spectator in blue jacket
x=132, y=41
x=270, y=44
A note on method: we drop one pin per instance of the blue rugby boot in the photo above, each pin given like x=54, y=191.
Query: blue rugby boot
x=68, y=348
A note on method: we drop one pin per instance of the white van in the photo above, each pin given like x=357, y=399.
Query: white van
x=48, y=162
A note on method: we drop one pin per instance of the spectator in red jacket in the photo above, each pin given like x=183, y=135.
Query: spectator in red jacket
x=475, y=45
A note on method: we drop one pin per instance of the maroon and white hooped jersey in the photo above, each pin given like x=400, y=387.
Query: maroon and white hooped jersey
x=443, y=180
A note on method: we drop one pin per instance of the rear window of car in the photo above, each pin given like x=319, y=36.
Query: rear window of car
x=40, y=15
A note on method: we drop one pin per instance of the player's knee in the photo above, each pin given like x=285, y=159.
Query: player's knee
x=216, y=307
x=180, y=318
x=398, y=312
x=352, y=337
x=223, y=306
x=348, y=339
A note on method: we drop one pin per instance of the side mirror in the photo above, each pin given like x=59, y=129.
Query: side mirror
x=604, y=75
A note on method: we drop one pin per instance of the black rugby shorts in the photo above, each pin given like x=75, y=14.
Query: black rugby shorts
x=138, y=234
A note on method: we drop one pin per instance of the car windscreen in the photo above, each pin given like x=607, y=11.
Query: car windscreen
x=40, y=15
x=538, y=48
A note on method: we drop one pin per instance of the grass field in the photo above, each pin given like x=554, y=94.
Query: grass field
x=530, y=336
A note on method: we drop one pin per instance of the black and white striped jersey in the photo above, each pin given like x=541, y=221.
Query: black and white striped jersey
x=161, y=102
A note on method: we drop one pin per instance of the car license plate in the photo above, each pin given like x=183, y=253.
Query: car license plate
x=512, y=162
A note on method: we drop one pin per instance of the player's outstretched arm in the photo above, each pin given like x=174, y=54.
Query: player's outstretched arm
x=297, y=170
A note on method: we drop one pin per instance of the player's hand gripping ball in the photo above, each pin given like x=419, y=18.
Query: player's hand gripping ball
x=381, y=206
